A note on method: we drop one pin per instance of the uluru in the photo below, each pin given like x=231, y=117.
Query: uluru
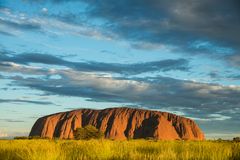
x=119, y=123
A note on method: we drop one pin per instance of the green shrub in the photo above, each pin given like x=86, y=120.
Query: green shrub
x=38, y=137
x=236, y=139
x=88, y=132
x=21, y=137
x=151, y=138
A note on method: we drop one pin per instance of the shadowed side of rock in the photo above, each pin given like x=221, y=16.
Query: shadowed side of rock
x=119, y=123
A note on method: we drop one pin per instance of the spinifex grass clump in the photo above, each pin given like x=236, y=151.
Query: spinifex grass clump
x=122, y=150
x=28, y=150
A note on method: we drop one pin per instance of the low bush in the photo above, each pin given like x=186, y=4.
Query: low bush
x=88, y=132
x=236, y=139
x=21, y=137
x=38, y=137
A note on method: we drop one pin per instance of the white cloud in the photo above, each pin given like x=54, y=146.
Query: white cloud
x=18, y=22
x=219, y=117
x=193, y=99
x=12, y=67
x=44, y=10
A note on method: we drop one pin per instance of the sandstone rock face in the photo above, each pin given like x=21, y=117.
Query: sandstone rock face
x=119, y=123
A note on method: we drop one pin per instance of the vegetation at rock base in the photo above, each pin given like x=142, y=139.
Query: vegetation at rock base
x=39, y=149
x=21, y=137
x=236, y=139
x=88, y=132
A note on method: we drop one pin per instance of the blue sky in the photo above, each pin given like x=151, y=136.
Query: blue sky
x=176, y=56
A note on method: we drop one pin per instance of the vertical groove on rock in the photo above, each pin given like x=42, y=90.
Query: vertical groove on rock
x=128, y=131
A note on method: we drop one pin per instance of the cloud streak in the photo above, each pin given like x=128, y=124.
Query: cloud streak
x=127, y=69
x=15, y=23
x=200, y=100
x=21, y=25
x=25, y=101
x=12, y=120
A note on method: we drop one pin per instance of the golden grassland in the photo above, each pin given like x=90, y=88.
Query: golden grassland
x=114, y=150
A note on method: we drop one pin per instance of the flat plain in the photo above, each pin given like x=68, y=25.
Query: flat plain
x=118, y=150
